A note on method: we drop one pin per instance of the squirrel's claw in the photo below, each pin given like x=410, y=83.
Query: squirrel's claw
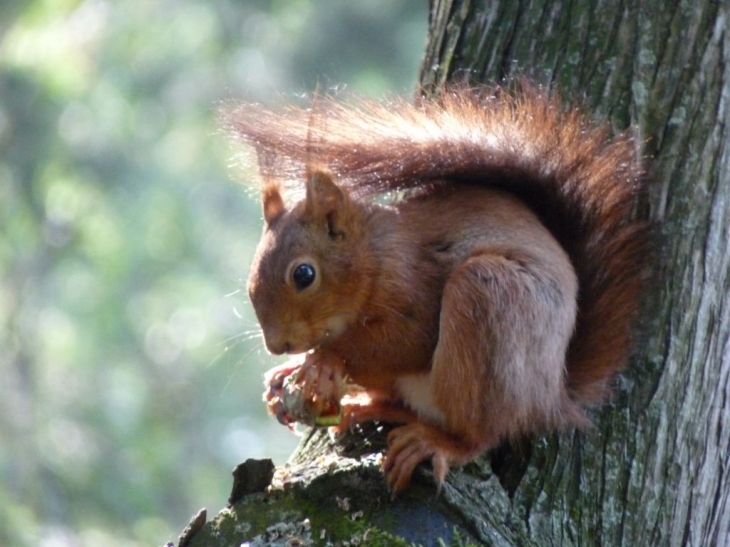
x=408, y=446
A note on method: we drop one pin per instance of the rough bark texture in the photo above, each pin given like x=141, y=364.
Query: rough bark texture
x=656, y=468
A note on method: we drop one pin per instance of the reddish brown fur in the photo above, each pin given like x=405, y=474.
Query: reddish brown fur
x=456, y=283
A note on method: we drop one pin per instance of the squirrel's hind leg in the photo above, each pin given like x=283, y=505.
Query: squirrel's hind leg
x=498, y=367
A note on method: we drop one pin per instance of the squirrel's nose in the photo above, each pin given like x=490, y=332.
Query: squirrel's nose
x=275, y=339
x=278, y=347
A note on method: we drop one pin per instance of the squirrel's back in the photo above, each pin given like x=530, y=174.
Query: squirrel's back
x=582, y=183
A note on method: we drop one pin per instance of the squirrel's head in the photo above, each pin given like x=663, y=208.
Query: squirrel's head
x=309, y=277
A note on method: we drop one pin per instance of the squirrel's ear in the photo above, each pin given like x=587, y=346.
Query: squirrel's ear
x=325, y=199
x=272, y=202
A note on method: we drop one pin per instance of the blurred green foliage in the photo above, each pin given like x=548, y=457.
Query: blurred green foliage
x=130, y=361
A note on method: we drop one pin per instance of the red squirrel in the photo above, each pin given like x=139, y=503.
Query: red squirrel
x=472, y=261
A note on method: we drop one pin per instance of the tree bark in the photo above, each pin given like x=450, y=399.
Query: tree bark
x=655, y=470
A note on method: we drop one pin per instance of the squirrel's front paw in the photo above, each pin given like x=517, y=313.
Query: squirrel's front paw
x=274, y=388
x=362, y=407
x=309, y=393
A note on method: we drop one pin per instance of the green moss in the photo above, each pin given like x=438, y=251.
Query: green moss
x=458, y=540
x=262, y=517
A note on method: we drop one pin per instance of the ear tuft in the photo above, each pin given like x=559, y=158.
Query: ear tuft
x=272, y=202
x=325, y=200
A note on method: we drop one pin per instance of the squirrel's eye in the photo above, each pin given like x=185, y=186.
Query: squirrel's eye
x=303, y=276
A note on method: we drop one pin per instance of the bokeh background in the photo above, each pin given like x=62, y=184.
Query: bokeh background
x=130, y=365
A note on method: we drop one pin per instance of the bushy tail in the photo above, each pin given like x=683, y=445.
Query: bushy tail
x=583, y=184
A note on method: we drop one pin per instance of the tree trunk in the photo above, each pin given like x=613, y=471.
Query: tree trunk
x=655, y=469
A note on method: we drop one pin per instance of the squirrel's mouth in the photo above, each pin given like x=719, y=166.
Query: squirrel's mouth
x=323, y=341
x=332, y=329
x=335, y=327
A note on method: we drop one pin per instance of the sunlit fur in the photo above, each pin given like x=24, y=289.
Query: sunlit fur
x=458, y=286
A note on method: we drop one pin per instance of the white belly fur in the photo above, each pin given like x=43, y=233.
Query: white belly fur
x=416, y=392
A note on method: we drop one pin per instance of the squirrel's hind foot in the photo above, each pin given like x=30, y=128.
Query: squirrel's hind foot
x=411, y=444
